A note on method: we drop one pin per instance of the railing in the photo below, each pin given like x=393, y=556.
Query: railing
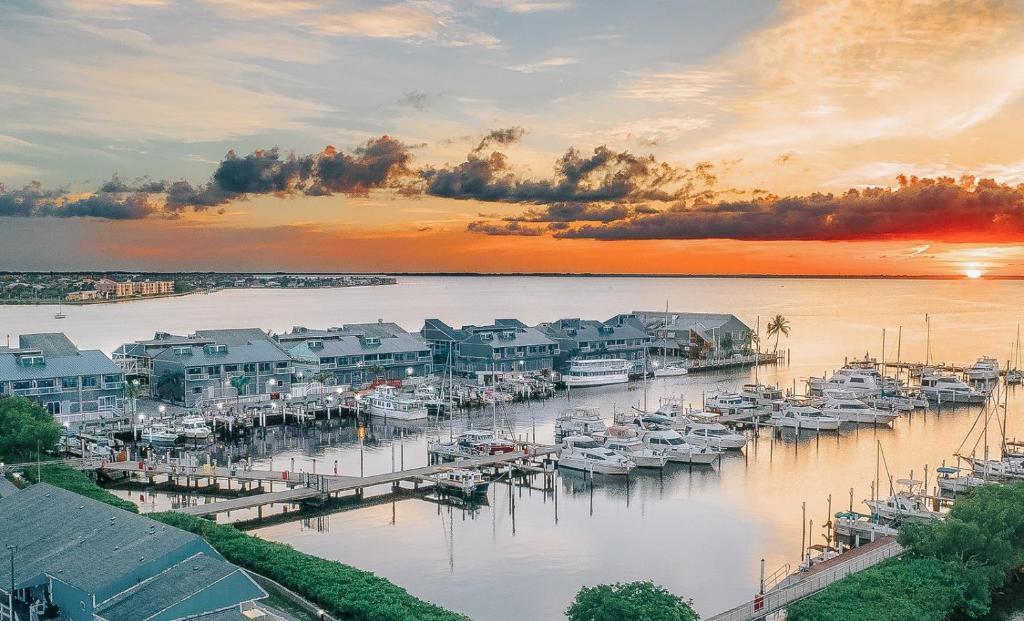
x=78, y=463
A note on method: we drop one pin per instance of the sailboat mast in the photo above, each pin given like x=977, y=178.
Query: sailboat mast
x=928, y=340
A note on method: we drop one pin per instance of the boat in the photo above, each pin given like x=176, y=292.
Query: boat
x=851, y=410
x=580, y=421
x=858, y=527
x=387, y=402
x=904, y=402
x=728, y=403
x=957, y=480
x=159, y=433
x=465, y=482
x=1007, y=467
x=585, y=454
x=985, y=369
x=818, y=553
x=626, y=441
x=472, y=443
x=669, y=414
x=860, y=382
x=904, y=506
x=597, y=372
x=760, y=394
x=804, y=417
x=948, y=389
x=194, y=428
x=679, y=450
x=701, y=433
x=1015, y=376
x=669, y=370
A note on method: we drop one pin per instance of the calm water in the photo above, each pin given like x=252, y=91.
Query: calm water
x=700, y=532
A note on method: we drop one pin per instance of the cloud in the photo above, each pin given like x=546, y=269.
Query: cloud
x=504, y=228
x=675, y=86
x=414, y=99
x=502, y=137
x=543, y=65
x=33, y=200
x=528, y=6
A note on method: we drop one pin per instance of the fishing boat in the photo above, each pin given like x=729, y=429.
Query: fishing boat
x=626, y=441
x=904, y=402
x=957, y=480
x=701, y=433
x=194, y=428
x=985, y=369
x=904, y=506
x=948, y=389
x=669, y=370
x=851, y=410
x=858, y=381
x=585, y=454
x=386, y=401
x=679, y=450
x=159, y=433
x=804, y=417
x=579, y=421
x=728, y=403
x=858, y=527
x=760, y=394
x=1007, y=467
x=465, y=482
x=597, y=372
x=472, y=443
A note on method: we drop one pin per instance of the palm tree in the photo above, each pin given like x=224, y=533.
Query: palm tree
x=322, y=377
x=778, y=326
x=239, y=382
x=132, y=390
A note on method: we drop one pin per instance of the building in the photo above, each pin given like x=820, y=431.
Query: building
x=695, y=335
x=113, y=289
x=81, y=296
x=356, y=353
x=507, y=346
x=95, y=562
x=71, y=384
x=189, y=369
x=622, y=336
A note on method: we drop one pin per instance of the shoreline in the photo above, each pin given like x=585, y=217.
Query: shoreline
x=161, y=296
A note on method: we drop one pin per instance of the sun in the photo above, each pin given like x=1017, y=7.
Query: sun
x=973, y=273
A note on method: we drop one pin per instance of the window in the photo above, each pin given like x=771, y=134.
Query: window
x=44, y=383
x=212, y=370
x=53, y=407
x=249, y=367
x=282, y=365
x=107, y=402
x=264, y=367
x=69, y=382
x=89, y=381
x=230, y=368
x=111, y=379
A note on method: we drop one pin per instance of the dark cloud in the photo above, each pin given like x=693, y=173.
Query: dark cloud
x=33, y=200
x=574, y=212
x=414, y=99
x=500, y=137
x=141, y=184
x=29, y=200
x=504, y=228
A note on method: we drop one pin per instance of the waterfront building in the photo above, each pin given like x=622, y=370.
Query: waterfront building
x=114, y=289
x=94, y=562
x=81, y=296
x=695, y=335
x=506, y=346
x=622, y=336
x=357, y=353
x=72, y=384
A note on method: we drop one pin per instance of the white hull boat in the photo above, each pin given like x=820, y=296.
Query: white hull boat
x=984, y=370
x=671, y=370
x=948, y=389
x=385, y=401
x=855, y=411
x=678, y=450
x=194, y=428
x=585, y=454
x=712, y=434
x=804, y=418
x=597, y=372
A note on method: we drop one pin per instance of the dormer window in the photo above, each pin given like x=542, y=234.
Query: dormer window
x=182, y=351
x=316, y=344
x=35, y=360
x=215, y=349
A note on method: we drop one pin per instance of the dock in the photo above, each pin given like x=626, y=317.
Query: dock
x=804, y=584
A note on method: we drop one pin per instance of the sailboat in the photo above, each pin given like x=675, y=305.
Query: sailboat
x=665, y=369
x=60, y=307
x=1015, y=375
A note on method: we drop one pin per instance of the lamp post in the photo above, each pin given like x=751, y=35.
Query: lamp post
x=10, y=596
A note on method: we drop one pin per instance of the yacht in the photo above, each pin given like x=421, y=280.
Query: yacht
x=159, y=433
x=472, y=443
x=597, y=372
x=857, y=526
x=584, y=453
x=903, y=506
x=713, y=434
x=1014, y=376
x=728, y=403
x=580, y=421
x=760, y=394
x=851, y=410
x=948, y=389
x=804, y=417
x=678, y=450
x=905, y=402
x=626, y=442
x=388, y=402
x=194, y=428
x=668, y=414
x=957, y=480
x=1007, y=467
x=466, y=482
x=669, y=370
x=985, y=369
x=858, y=381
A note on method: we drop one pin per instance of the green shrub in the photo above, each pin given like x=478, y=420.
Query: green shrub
x=633, y=601
x=26, y=428
x=72, y=480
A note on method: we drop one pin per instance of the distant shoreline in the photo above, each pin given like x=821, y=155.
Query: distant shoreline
x=158, y=296
x=545, y=275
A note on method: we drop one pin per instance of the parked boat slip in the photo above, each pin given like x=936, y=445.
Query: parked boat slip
x=586, y=454
x=462, y=481
x=957, y=480
x=626, y=442
x=728, y=403
x=717, y=435
x=858, y=381
x=948, y=389
x=761, y=395
x=678, y=450
x=985, y=369
x=904, y=506
x=580, y=421
x=472, y=443
x=851, y=410
x=386, y=401
x=804, y=417
x=597, y=372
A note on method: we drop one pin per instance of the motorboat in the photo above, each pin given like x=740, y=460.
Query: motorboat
x=626, y=442
x=905, y=402
x=597, y=372
x=948, y=389
x=465, y=482
x=804, y=417
x=904, y=506
x=859, y=528
x=860, y=382
x=761, y=394
x=985, y=369
x=159, y=433
x=669, y=370
x=700, y=433
x=851, y=410
x=580, y=421
x=679, y=450
x=1015, y=376
x=386, y=401
x=1007, y=467
x=194, y=428
x=585, y=454
x=669, y=414
x=728, y=403
x=472, y=443
x=957, y=480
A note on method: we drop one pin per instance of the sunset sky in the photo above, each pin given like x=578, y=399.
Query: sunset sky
x=691, y=136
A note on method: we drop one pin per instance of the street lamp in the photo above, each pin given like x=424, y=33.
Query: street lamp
x=161, y=410
x=409, y=371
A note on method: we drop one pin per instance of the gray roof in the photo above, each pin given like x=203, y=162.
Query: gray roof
x=88, y=362
x=588, y=330
x=381, y=329
x=521, y=337
x=353, y=346
x=437, y=330
x=50, y=343
x=83, y=542
x=172, y=586
x=262, y=351
x=234, y=336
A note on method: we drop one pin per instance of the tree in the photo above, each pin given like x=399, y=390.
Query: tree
x=25, y=427
x=239, y=382
x=323, y=377
x=726, y=343
x=778, y=326
x=633, y=601
x=171, y=387
x=132, y=390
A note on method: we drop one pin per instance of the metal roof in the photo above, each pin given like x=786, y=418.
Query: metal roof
x=354, y=346
x=50, y=343
x=262, y=351
x=88, y=362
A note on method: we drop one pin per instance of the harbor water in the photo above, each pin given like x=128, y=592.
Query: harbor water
x=702, y=532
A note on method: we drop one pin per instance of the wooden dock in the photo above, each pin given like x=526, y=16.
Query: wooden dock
x=804, y=584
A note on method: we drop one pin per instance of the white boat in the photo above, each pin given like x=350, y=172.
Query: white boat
x=852, y=410
x=860, y=527
x=580, y=421
x=728, y=403
x=626, y=442
x=472, y=443
x=957, y=480
x=1015, y=376
x=858, y=381
x=194, y=428
x=905, y=402
x=597, y=372
x=804, y=417
x=948, y=389
x=585, y=454
x=668, y=414
x=903, y=506
x=700, y=433
x=761, y=394
x=1006, y=467
x=465, y=482
x=159, y=433
x=679, y=450
x=669, y=370
x=388, y=402
x=985, y=369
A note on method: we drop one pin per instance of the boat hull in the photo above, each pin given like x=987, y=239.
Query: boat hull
x=806, y=425
x=417, y=414
x=586, y=465
x=692, y=456
x=575, y=381
x=670, y=372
